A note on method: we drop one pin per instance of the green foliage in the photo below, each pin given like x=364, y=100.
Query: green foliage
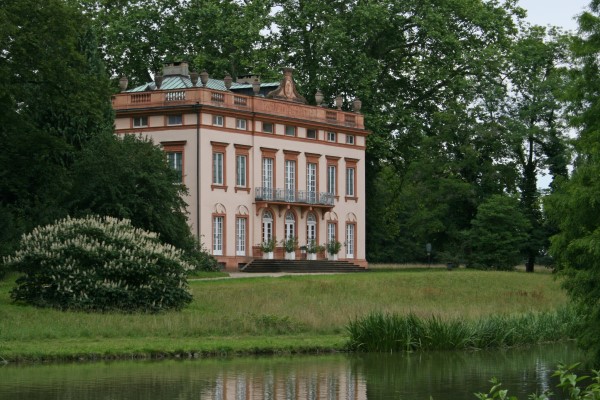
x=379, y=332
x=99, y=264
x=54, y=97
x=268, y=246
x=333, y=247
x=290, y=245
x=574, y=207
x=569, y=382
x=138, y=37
x=313, y=248
x=497, y=234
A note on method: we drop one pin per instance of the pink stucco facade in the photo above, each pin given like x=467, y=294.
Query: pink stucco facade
x=257, y=166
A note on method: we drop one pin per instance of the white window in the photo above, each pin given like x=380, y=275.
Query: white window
x=290, y=225
x=290, y=180
x=175, y=119
x=217, y=120
x=140, y=122
x=350, y=182
x=331, y=178
x=267, y=226
x=218, y=236
x=350, y=241
x=240, y=171
x=240, y=236
x=330, y=232
x=349, y=139
x=267, y=178
x=267, y=127
x=311, y=228
x=290, y=130
x=217, y=168
x=174, y=159
x=311, y=182
x=240, y=124
x=311, y=133
x=331, y=136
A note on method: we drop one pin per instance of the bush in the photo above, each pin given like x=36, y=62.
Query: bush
x=99, y=263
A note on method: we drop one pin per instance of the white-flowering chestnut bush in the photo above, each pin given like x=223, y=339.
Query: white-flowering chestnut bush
x=99, y=264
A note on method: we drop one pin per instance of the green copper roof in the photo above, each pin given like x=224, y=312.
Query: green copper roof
x=171, y=82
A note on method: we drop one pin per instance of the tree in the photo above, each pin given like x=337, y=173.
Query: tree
x=575, y=205
x=139, y=37
x=535, y=121
x=498, y=234
x=128, y=178
x=54, y=98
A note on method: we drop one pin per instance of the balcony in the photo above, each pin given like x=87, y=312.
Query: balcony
x=304, y=199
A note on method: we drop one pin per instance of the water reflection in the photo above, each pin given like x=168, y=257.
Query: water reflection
x=445, y=376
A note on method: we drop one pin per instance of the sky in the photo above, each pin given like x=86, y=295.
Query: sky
x=554, y=12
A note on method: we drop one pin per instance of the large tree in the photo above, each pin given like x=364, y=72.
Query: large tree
x=217, y=35
x=54, y=99
x=575, y=206
x=535, y=121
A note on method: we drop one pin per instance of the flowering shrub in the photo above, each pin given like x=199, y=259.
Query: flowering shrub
x=99, y=263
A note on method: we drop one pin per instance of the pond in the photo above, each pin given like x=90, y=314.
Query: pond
x=442, y=375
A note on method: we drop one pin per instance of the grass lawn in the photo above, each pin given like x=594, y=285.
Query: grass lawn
x=290, y=313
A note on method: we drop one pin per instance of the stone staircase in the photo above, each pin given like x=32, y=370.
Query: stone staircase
x=300, y=266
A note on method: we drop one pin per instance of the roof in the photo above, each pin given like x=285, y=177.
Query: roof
x=171, y=82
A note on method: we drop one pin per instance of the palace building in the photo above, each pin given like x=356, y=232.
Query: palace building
x=258, y=161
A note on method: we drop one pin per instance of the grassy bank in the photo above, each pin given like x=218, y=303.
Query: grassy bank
x=303, y=313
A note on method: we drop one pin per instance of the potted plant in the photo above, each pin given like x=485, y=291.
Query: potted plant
x=289, y=245
x=312, y=248
x=267, y=248
x=333, y=248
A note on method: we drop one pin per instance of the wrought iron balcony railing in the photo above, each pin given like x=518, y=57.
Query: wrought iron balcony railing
x=293, y=196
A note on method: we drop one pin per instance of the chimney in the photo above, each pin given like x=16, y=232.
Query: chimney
x=248, y=79
x=176, y=68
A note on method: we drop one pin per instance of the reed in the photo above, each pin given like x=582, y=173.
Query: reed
x=380, y=332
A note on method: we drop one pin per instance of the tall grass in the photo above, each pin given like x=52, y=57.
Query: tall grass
x=380, y=332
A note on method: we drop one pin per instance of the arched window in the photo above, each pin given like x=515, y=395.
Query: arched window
x=311, y=228
x=290, y=225
x=267, y=226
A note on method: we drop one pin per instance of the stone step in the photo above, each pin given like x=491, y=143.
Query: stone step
x=301, y=266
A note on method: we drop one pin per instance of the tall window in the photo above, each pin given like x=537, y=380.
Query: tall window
x=290, y=225
x=311, y=228
x=331, y=178
x=349, y=139
x=350, y=241
x=290, y=180
x=267, y=177
x=267, y=226
x=218, y=235
x=350, y=182
x=331, y=232
x=218, y=169
x=240, y=171
x=311, y=182
x=174, y=159
x=331, y=136
x=240, y=124
x=240, y=236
